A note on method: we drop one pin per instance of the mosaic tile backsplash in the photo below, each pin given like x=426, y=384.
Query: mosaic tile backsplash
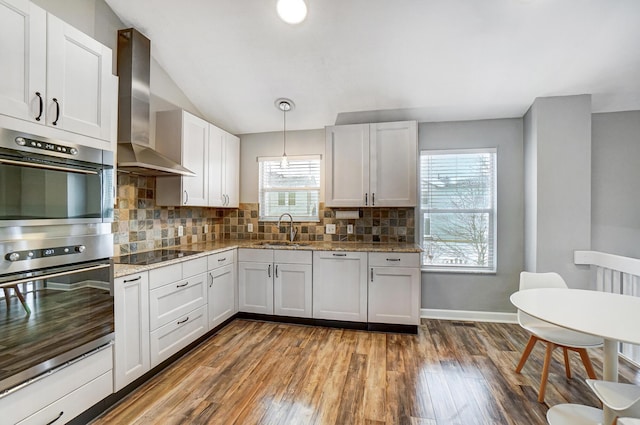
x=141, y=225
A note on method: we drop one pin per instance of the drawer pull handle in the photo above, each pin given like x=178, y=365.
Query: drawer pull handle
x=182, y=321
x=222, y=259
x=393, y=259
x=56, y=419
x=132, y=280
x=183, y=285
x=339, y=255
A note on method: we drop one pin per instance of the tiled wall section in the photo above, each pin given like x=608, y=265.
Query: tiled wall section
x=374, y=225
x=140, y=225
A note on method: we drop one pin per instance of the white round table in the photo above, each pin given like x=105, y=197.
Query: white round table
x=613, y=317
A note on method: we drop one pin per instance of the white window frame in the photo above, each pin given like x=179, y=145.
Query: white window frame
x=291, y=159
x=493, y=216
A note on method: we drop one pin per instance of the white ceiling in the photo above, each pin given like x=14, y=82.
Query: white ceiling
x=431, y=60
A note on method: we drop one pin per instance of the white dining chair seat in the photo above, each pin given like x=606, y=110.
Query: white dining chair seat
x=628, y=421
x=616, y=395
x=574, y=414
x=562, y=336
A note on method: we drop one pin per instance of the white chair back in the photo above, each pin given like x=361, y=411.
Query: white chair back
x=529, y=280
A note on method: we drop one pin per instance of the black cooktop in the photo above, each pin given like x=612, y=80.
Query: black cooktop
x=153, y=257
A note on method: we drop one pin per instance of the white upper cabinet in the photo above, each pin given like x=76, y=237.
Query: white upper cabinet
x=23, y=63
x=185, y=139
x=224, y=165
x=371, y=165
x=211, y=153
x=53, y=75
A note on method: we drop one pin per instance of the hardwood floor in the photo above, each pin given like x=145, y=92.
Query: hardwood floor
x=271, y=373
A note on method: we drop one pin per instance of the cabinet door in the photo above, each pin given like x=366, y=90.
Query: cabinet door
x=216, y=167
x=347, y=166
x=23, y=66
x=131, y=309
x=232, y=170
x=221, y=295
x=255, y=286
x=292, y=290
x=340, y=286
x=394, y=295
x=393, y=155
x=195, y=156
x=78, y=81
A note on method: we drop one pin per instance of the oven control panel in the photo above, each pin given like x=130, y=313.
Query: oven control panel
x=47, y=146
x=45, y=252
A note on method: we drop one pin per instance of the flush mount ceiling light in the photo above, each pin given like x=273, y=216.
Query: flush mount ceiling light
x=292, y=11
x=285, y=105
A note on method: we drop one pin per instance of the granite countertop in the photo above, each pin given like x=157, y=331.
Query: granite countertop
x=207, y=248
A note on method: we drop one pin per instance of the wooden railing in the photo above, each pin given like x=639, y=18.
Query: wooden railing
x=617, y=274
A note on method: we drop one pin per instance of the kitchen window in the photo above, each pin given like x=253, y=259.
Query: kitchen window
x=294, y=189
x=458, y=210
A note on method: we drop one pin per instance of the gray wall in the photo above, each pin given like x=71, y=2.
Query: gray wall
x=558, y=201
x=615, y=181
x=484, y=292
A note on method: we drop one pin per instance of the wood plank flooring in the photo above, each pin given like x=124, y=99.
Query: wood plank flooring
x=271, y=373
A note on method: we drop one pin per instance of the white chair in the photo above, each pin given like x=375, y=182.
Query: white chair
x=623, y=399
x=628, y=421
x=553, y=336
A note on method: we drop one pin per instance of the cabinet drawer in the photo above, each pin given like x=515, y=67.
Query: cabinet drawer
x=221, y=259
x=38, y=395
x=74, y=403
x=337, y=255
x=172, y=337
x=291, y=257
x=163, y=275
x=255, y=255
x=174, y=300
x=142, y=278
x=194, y=267
x=393, y=259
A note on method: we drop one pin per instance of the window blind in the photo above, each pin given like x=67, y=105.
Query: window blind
x=458, y=209
x=294, y=189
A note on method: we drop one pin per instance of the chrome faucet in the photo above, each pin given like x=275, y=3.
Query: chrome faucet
x=292, y=230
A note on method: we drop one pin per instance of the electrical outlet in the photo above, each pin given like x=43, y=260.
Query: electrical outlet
x=250, y=227
x=330, y=229
x=350, y=229
x=180, y=231
x=206, y=228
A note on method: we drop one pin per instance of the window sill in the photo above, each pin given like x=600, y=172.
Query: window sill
x=456, y=271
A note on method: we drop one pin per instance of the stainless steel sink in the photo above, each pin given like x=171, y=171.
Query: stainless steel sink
x=281, y=243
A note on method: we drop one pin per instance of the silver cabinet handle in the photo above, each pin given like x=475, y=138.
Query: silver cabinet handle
x=186, y=197
x=269, y=271
x=393, y=259
x=182, y=321
x=183, y=285
x=339, y=255
x=210, y=280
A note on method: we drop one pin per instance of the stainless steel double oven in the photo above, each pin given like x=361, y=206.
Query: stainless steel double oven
x=56, y=271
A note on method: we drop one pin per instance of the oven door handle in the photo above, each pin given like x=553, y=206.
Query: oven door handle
x=49, y=276
x=46, y=166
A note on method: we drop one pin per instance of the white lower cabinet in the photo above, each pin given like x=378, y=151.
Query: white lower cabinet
x=255, y=281
x=177, y=307
x=62, y=395
x=292, y=283
x=222, y=291
x=394, y=288
x=174, y=336
x=131, y=309
x=340, y=285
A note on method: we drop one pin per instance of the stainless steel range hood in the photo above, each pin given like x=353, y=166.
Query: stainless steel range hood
x=134, y=153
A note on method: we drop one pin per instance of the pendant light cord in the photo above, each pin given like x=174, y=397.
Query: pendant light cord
x=284, y=132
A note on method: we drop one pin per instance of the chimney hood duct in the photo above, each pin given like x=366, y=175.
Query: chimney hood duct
x=134, y=153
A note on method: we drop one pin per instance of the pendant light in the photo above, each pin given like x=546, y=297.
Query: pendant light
x=292, y=11
x=285, y=105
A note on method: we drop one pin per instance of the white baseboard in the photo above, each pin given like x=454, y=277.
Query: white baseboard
x=475, y=316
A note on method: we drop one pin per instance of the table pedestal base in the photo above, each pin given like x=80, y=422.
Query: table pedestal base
x=574, y=414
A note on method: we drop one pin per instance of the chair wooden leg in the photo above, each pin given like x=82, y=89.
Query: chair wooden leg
x=6, y=297
x=587, y=363
x=525, y=354
x=545, y=371
x=567, y=366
